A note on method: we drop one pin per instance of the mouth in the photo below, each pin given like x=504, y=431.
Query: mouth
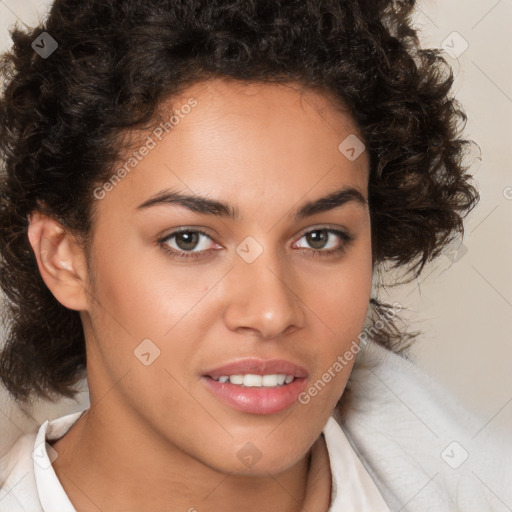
x=251, y=380
x=257, y=386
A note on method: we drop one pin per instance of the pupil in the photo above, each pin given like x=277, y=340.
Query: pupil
x=190, y=240
x=317, y=242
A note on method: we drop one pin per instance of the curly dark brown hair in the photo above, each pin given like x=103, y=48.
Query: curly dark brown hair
x=61, y=119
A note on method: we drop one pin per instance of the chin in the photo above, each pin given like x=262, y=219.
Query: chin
x=249, y=460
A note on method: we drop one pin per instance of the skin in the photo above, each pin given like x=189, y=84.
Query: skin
x=154, y=436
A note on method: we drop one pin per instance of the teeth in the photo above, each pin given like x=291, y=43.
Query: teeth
x=250, y=380
x=236, y=379
x=253, y=380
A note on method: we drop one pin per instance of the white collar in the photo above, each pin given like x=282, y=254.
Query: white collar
x=51, y=493
x=352, y=487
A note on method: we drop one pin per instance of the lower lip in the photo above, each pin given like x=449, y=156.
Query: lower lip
x=257, y=400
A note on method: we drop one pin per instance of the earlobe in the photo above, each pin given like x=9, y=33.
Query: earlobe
x=60, y=259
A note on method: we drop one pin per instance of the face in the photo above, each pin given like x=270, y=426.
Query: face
x=202, y=309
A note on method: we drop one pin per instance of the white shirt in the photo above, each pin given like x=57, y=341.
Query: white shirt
x=31, y=484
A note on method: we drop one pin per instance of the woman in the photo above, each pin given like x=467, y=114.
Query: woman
x=196, y=199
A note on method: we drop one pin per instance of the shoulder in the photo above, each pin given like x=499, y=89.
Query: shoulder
x=424, y=450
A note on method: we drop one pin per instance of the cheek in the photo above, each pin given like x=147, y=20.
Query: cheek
x=142, y=296
x=343, y=296
x=341, y=300
x=143, y=292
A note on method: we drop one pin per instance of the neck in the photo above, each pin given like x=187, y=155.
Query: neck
x=108, y=461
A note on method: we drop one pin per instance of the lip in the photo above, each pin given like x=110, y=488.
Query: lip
x=257, y=400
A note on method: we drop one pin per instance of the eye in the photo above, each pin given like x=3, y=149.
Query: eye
x=326, y=241
x=194, y=243
x=186, y=243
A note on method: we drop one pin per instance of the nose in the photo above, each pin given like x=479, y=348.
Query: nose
x=263, y=298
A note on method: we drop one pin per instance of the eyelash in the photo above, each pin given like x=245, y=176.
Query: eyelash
x=347, y=239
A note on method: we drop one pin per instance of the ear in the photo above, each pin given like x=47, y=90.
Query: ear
x=61, y=261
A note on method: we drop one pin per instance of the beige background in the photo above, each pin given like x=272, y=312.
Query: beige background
x=463, y=306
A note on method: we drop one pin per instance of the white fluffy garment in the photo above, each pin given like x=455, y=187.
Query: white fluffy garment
x=424, y=451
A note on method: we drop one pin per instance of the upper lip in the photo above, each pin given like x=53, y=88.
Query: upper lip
x=258, y=367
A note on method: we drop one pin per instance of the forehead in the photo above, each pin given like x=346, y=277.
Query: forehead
x=251, y=144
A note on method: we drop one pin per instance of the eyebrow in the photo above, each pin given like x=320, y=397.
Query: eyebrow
x=207, y=206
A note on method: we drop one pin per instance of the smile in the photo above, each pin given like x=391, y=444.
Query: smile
x=252, y=380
